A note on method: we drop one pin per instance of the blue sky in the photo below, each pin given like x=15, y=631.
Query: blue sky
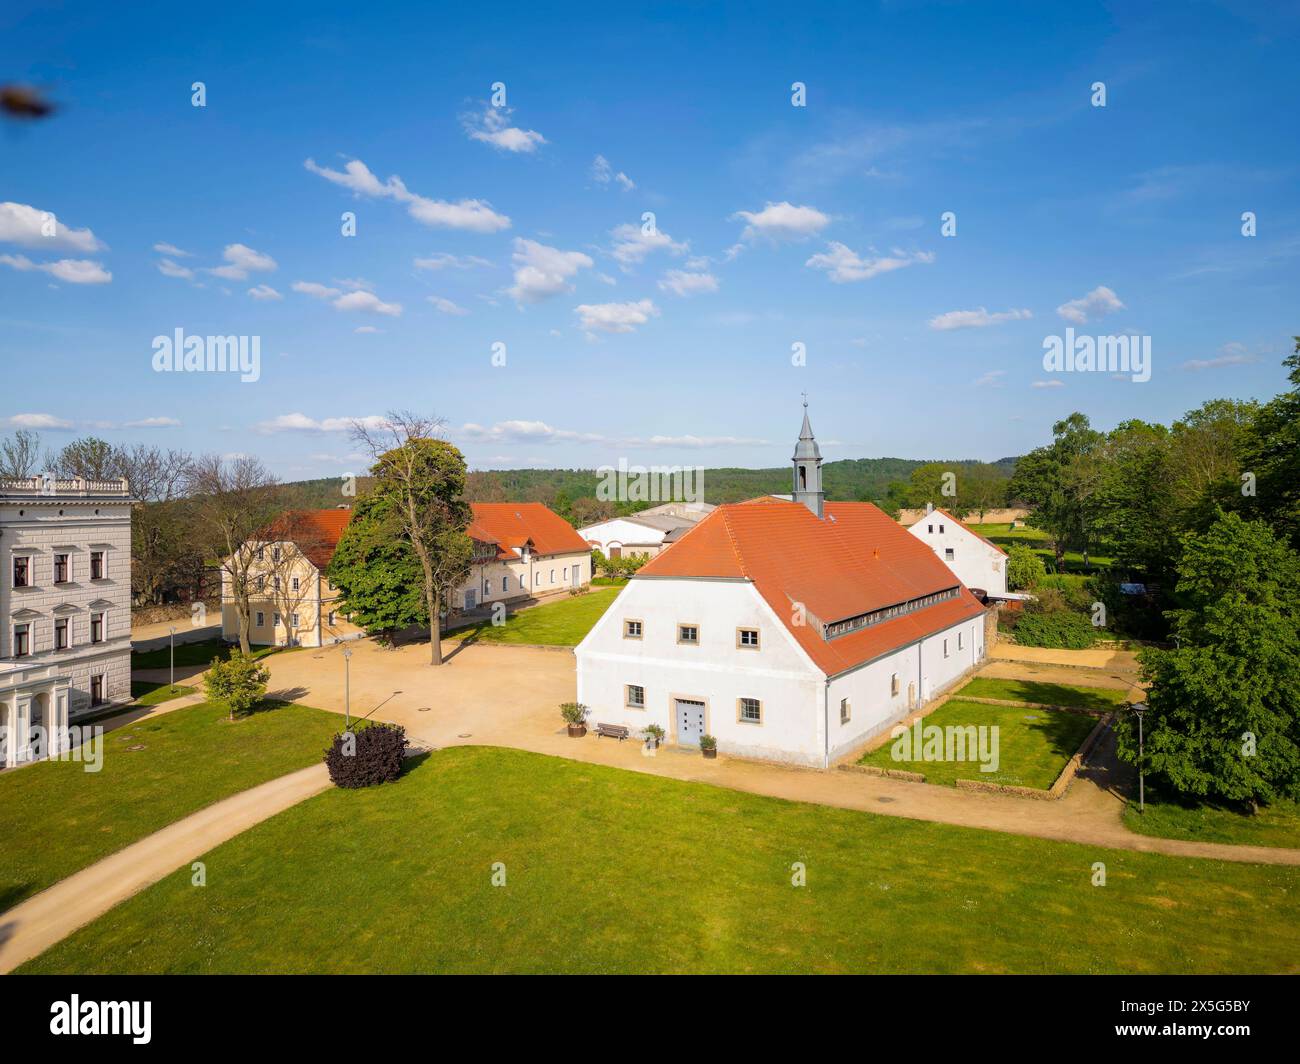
x=522, y=225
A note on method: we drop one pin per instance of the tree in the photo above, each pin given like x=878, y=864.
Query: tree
x=233, y=500
x=1224, y=705
x=164, y=557
x=421, y=480
x=238, y=683
x=1135, y=510
x=1271, y=451
x=89, y=457
x=20, y=454
x=1025, y=568
x=1059, y=482
x=377, y=576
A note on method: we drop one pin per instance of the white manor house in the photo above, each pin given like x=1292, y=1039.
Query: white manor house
x=65, y=596
x=788, y=629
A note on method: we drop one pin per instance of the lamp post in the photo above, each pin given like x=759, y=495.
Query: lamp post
x=1139, y=708
x=347, y=690
x=171, y=647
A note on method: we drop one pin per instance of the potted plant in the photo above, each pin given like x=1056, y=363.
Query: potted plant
x=575, y=715
x=709, y=746
x=654, y=735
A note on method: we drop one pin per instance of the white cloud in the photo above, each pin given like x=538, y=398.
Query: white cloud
x=616, y=317
x=1099, y=301
x=782, y=221
x=686, y=284
x=443, y=260
x=360, y=299
x=697, y=442
x=542, y=271
x=174, y=269
x=844, y=265
x=476, y=216
x=1233, y=354
x=446, y=305
x=602, y=173
x=975, y=319
x=163, y=248
x=524, y=432
x=492, y=126
x=73, y=271
x=264, y=292
x=632, y=244
x=991, y=379
x=302, y=423
x=366, y=329
x=153, y=423
x=1047, y=384
x=37, y=421
x=25, y=225
x=241, y=260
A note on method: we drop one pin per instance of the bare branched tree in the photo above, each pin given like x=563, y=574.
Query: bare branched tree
x=20, y=454
x=424, y=479
x=233, y=501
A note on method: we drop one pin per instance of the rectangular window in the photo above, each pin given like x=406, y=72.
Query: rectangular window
x=97, y=565
x=930, y=529
x=537, y=578
x=631, y=629
x=959, y=640
x=60, y=633
x=22, y=640
x=635, y=696
x=747, y=637
x=844, y=711
x=941, y=530
x=688, y=634
x=552, y=576
x=275, y=554
x=294, y=585
x=97, y=627
x=22, y=571
x=275, y=583
x=945, y=648
x=331, y=620
x=505, y=584
x=275, y=620
x=893, y=684
x=751, y=711
x=293, y=620
x=261, y=553
x=60, y=568
x=523, y=584
x=261, y=619
x=97, y=689
x=948, y=554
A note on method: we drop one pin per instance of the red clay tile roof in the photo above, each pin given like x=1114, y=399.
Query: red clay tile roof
x=961, y=524
x=315, y=532
x=512, y=524
x=854, y=561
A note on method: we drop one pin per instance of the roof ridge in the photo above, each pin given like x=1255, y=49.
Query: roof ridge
x=735, y=547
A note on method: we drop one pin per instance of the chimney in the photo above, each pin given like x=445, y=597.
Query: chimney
x=929, y=507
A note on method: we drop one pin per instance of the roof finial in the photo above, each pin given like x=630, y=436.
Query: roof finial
x=805, y=400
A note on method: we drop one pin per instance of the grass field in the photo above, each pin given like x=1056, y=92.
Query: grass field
x=1052, y=694
x=1033, y=744
x=144, y=693
x=561, y=623
x=187, y=654
x=56, y=818
x=1277, y=824
x=1006, y=537
x=615, y=871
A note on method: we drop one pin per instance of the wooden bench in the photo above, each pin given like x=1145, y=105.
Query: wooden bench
x=612, y=731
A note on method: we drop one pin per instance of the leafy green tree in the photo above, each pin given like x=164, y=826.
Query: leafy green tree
x=376, y=574
x=88, y=457
x=1271, y=452
x=1058, y=482
x=421, y=481
x=1224, y=705
x=1025, y=568
x=1135, y=509
x=238, y=683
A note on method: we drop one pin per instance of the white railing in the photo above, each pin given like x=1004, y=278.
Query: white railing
x=80, y=486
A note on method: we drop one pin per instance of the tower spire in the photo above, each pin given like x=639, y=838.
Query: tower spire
x=808, y=467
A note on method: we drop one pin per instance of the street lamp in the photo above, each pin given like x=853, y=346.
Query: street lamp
x=1138, y=708
x=171, y=647
x=347, y=690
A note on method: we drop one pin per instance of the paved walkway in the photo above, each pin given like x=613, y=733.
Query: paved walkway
x=157, y=635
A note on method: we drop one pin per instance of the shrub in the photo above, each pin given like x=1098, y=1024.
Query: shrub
x=1054, y=628
x=708, y=742
x=1025, y=568
x=369, y=756
x=655, y=732
x=238, y=683
x=573, y=712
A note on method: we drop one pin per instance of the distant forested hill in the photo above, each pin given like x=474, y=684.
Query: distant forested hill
x=571, y=492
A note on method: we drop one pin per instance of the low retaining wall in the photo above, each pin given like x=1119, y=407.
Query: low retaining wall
x=1063, y=781
x=892, y=773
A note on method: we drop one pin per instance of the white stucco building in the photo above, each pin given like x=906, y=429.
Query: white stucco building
x=645, y=532
x=791, y=630
x=65, y=599
x=975, y=561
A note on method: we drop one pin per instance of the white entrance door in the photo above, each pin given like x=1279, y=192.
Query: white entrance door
x=469, y=599
x=690, y=722
x=573, y=580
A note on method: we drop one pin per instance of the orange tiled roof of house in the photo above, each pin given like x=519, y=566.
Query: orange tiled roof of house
x=315, y=532
x=854, y=561
x=512, y=524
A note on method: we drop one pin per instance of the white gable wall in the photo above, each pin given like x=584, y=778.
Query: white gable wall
x=632, y=537
x=717, y=672
x=974, y=562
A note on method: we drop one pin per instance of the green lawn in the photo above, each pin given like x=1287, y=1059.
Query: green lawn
x=1033, y=744
x=187, y=654
x=144, y=693
x=561, y=623
x=1052, y=694
x=615, y=871
x=56, y=818
x=1277, y=824
x=608, y=581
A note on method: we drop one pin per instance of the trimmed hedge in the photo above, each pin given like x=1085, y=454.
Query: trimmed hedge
x=1056, y=629
x=376, y=755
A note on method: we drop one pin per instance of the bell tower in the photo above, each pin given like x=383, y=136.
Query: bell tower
x=808, y=467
